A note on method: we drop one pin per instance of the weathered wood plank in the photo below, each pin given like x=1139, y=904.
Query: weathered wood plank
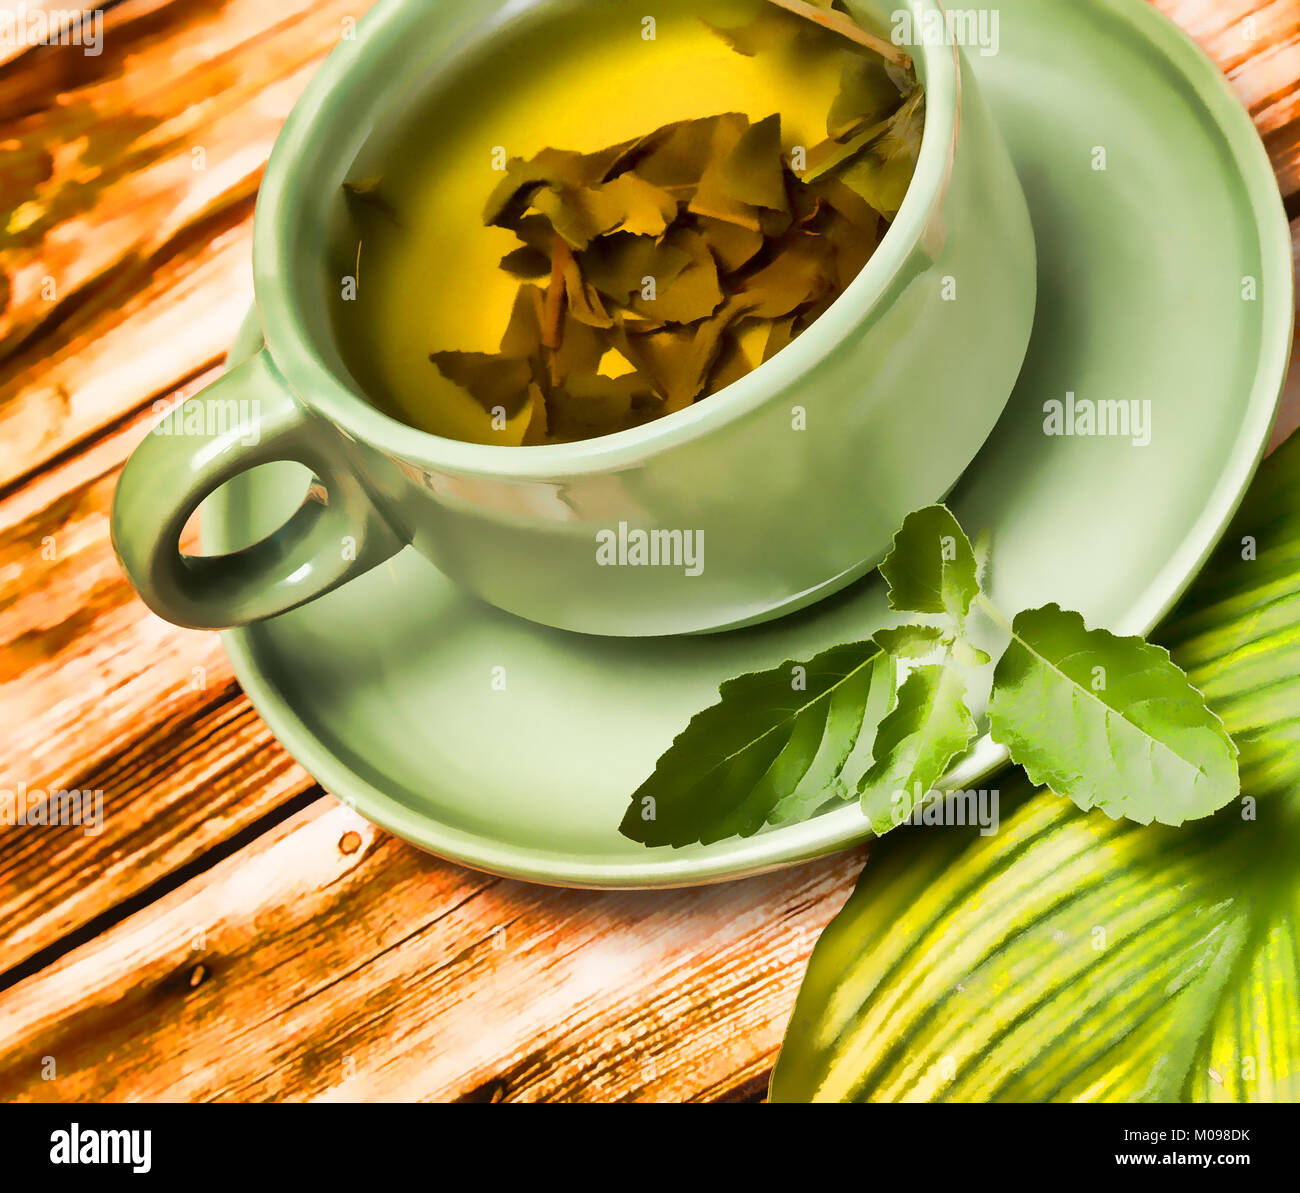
x=328, y=960
x=131, y=344
x=108, y=174
x=1256, y=43
x=56, y=20
x=98, y=693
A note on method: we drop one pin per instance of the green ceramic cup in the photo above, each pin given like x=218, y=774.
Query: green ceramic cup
x=763, y=498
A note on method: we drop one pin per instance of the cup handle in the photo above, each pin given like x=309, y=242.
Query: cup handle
x=334, y=536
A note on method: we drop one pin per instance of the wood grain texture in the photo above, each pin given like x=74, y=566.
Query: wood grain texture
x=96, y=692
x=322, y=959
x=328, y=960
x=127, y=272
x=1256, y=43
x=117, y=170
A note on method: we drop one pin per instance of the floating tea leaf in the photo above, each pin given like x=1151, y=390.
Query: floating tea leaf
x=523, y=337
x=584, y=299
x=366, y=196
x=679, y=156
x=796, y=275
x=882, y=174
x=526, y=263
x=694, y=294
x=769, y=32
x=665, y=268
x=536, y=430
x=579, y=350
x=868, y=94
x=579, y=215
x=619, y=264
x=646, y=209
x=753, y=172
x=731, y=245
x=747, y=185
x=492, y=381
x=591, y=404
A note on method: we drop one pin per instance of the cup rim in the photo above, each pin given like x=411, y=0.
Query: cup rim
x=321, y=390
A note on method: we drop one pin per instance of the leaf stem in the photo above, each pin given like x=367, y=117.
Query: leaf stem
x=554, y=322
x=845, y=26
x=994, y=613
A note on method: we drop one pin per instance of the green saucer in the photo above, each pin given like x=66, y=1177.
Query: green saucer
x=513, y=748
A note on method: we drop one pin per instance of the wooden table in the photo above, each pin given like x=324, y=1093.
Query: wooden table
x=234, y=932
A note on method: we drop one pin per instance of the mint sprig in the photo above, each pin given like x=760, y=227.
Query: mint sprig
x=1131, y=736
x=932, y=568
x=929, y=726
x=777, y=741
x=1108, y=722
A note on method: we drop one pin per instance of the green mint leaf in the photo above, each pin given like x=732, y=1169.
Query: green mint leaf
x=835, y=772
x=912, y=641
x=772, y=747
x=969, y=655
x=916, y=743
x=931, y=568
x=1111, y=723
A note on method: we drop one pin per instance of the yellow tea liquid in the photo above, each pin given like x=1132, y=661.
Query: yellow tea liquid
x=432, y=281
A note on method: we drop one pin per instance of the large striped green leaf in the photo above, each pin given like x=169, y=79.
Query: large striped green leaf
x=1071, y=957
